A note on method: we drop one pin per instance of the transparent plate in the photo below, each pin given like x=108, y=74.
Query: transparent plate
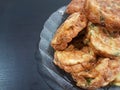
x=56, y=78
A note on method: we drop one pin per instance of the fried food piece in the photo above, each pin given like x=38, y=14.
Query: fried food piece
x=103, y=42
x=101, y=75
x=62, y=59
x=75, y=6
x=86, y=70
x=73, y=56
x=73, y=60
x=104, y=12
x=68, y=30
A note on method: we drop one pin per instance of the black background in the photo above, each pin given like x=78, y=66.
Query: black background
x=21, y=22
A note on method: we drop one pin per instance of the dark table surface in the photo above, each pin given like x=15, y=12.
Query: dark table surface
x=21, y=22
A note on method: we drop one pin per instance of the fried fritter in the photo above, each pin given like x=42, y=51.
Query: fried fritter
x=73, y=60
x=74, y=56
x=103, y=42
x=104, y=12
x=100, y=75
x=86, y=70
x=68, y=30
x=75, y=6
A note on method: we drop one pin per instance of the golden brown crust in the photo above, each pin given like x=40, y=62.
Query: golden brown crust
x=102, y=74
x=87, y=72
x=73, y=60
x=68, y=30
x=75, y=6
x=104, y=12
x=74, y=56
x=103, y=42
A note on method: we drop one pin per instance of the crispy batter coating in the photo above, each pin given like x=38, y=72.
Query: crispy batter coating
x=100, y=75
x=75, y=6
x=88, y=72
x=68, y=30
x=103, y=42
x=74, y=56
x=104, y=12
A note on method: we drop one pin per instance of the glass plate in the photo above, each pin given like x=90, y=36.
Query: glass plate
x=54, y=77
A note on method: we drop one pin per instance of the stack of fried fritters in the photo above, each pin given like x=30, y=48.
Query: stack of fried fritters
x=87, y=44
